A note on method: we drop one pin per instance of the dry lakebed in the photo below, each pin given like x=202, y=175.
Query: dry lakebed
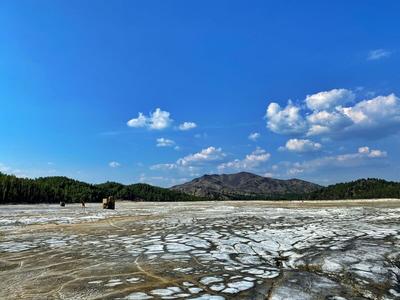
x=202, y=250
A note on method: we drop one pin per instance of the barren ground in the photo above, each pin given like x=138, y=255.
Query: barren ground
x=205, y=250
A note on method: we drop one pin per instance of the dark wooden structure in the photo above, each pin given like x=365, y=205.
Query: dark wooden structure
x=109, y=203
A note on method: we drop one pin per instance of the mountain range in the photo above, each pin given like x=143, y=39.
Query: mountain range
x=245, y=185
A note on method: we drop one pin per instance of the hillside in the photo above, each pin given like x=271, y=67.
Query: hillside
x=359, y=189
x=56, y=189
x=245, y=185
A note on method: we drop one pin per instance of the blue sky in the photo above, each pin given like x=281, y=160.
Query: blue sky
x=101, y=90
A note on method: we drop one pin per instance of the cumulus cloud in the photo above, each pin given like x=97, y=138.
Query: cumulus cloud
x=380, y=115
x=207, y=154
x=378, y=54
x=251, y=161
x=300, y=145
x=285, y=121
x=325, y=115
x=114, y=164
x=191, y=161
x=371, y=153
x=254, y=136
x=163, y=142
x=329, y=99
x=140, y=121
x=326, y=123
x=157, y=120
x=187, y=126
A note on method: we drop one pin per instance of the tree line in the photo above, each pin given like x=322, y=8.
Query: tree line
x=62, y=189
x=369, y=188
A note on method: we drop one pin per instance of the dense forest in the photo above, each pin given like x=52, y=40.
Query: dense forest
x=359, y=189
x=57, y=189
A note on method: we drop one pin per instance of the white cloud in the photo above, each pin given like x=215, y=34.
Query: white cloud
x=377, y=153
x=163, y=167
x=163, y=142
x=157, y=120
x=325, y=123
x=140, y=121
x=363, y=150
x=300, y=145
x=285, y=121
x=329, y=99
x=251, y=161
x=371, y=153
x=254, y=136
x=380, y=115
x=187, y=126
x=114, y=164
x=160, y=119
x=190, y=162
x=371, y=118
x=378, y=54
x=363, y=156
x=207, y=154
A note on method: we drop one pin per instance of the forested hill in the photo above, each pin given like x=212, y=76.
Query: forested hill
x=245, y=185
x=360, y=189
x=56, y=189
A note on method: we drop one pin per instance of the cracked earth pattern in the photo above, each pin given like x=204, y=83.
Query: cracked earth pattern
x=207, y=250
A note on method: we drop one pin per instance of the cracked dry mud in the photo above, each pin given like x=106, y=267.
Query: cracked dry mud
x=207, y=250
